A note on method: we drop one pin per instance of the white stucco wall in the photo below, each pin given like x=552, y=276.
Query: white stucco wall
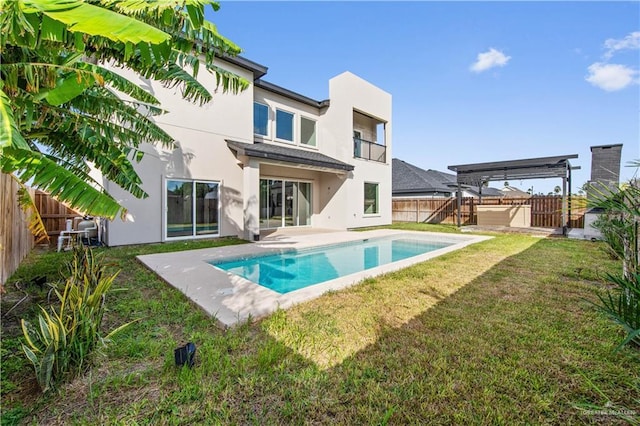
x=348, y=93
x=200, y=153
x=339, y=197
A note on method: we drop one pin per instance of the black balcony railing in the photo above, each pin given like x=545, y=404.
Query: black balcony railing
x=369, y=150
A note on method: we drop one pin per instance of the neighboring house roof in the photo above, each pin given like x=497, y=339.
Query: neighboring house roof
x=409, y=179
x=288, y=155
x=487, y=191
x=511, y=192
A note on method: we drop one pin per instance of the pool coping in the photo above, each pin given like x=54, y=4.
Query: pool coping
x=232, y=299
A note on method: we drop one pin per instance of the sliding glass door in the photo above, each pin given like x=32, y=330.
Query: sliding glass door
x=304, y=203
x=206, y=201
x=192, y=208
x=290, y=204
x=284, y=203
x=270, y=203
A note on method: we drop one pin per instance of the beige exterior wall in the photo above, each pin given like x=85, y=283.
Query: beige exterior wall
x=201, y=153
x=501, y=215
x=349, y=93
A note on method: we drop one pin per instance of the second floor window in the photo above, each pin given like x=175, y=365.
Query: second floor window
x=307, y=131
x=260, y=119
x=284, y=125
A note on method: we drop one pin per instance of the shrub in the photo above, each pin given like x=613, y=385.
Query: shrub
x=66, y=333
x=622, y=305
x=615, y=231
x=620, y=226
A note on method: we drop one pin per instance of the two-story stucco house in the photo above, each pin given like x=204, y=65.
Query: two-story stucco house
x=263, y=159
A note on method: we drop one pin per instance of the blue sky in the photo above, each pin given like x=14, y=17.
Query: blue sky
x=471, y=81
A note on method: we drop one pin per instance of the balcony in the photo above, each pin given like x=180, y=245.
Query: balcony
x=369, y=150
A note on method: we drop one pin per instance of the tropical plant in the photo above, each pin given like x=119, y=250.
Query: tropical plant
x=614, y=231
x=622, y=305
x=622, y=209
x=620, y=225
x=62, y=105
x=65, y=335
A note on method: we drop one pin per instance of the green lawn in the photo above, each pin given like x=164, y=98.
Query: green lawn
x=499, y=332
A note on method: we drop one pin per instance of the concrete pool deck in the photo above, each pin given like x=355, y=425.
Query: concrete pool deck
x=233, y=299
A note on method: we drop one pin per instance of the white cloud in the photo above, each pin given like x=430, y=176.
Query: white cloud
x=630, y=42
x=611, y=77
x=490, y=59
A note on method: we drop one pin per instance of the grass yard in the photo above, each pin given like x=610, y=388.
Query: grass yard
x=500, y=332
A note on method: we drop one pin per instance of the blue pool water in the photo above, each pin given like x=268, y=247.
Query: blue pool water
x=296, y=269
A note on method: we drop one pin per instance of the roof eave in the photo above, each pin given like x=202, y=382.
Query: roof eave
x=274, y=88
x=246, y=150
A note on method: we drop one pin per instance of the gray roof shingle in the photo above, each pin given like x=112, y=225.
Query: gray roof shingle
x=289, y=155
x=409, y=179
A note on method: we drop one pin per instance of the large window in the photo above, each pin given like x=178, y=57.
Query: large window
x=371, y=205
x=260, y=119
x=284, y=125
x=192, y=208
x=307, y=131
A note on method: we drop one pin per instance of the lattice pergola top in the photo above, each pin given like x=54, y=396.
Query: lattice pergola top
x=530, y=168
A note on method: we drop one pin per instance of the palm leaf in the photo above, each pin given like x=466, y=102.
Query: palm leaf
x=70, y=86
x=9, y=132
x=120, y=83
x=107, y=157
x=229, y=81
x=59, y=182
x=103, y=103
x=68, y=120
x=78, y=16
x=34, y=220
x=58, y=98
x=174, y=75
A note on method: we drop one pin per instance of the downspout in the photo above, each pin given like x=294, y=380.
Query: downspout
x=459, y=197
x=569, y=199
x=564, y=198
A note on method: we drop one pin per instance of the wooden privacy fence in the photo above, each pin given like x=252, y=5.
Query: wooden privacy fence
x=546, y=210
x=54, y=214
x=16, y=240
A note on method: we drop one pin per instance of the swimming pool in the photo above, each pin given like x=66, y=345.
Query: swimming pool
x=292, y=270
x=232, y=299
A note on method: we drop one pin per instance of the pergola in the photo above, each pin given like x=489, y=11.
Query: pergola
x=479, y=174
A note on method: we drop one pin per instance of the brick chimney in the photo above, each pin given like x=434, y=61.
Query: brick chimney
x=605, y=167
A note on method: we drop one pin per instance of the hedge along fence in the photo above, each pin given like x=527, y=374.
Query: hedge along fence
x=546, y=210
x=16, y=241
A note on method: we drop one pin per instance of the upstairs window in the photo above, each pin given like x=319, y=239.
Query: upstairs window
x=307, y=131
x=260, y=119
x=284, y=125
